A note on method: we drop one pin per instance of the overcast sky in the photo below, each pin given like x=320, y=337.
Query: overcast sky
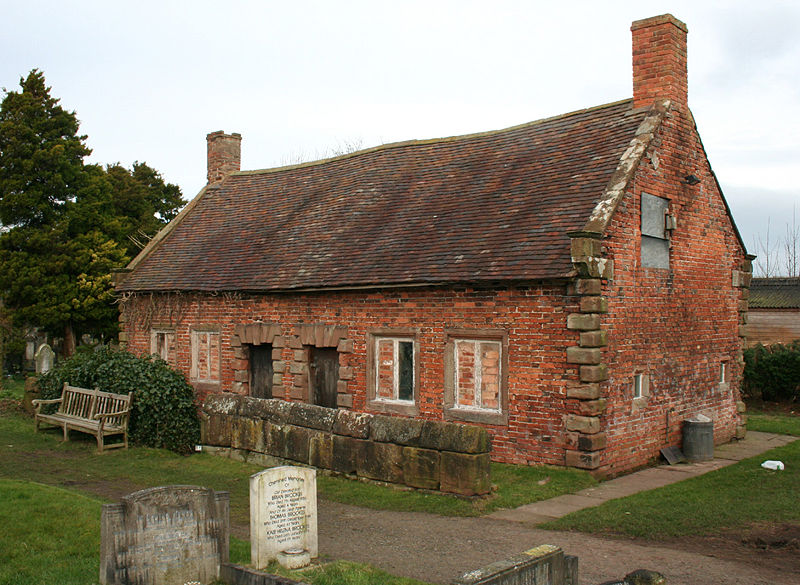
x=149, y=79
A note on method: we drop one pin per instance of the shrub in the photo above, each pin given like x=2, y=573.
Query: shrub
x=163, y=414
x=772, y=372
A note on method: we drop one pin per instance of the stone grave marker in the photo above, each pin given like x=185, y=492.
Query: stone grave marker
x=283, y=516
x=166, y=535
x=45, y=356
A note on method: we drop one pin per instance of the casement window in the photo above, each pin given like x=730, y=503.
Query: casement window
x=640, y=387
x=655, y=233
x=393, y=372
x=205, y=357
x=162, y=344
x=475, y=373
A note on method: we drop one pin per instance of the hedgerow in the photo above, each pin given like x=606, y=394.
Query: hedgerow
x=772, y=372
x=163, y=414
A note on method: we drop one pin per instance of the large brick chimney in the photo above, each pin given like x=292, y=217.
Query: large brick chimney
x=224, y=155
x=659, y=61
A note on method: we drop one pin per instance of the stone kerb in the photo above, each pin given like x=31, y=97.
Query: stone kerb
x=543, y=565
x=166, y=535
x=424, y=454
x=283, y=516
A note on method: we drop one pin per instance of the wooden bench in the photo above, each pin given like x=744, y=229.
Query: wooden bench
x=97, y=413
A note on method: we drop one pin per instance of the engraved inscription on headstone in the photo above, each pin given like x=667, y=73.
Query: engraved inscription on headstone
x=283, y=513
x=164, y=536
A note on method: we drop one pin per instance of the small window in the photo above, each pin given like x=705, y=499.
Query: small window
x=655, y=238
x=394, y=370
x=478, y=374
x=205, y=356
x=162, y=344
x=638, y=384
x=640, y=387
x=393, y=374
x=723, y=372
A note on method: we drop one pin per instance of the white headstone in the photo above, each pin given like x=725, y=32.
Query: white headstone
x=44, y=359
x=283, y=513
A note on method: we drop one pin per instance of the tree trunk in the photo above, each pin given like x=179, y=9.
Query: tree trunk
x=69, y=341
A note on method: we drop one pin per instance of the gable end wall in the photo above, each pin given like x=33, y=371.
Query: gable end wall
x=675, y=326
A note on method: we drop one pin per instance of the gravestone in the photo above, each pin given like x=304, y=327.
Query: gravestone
x=45, y=356
x=165, y=536
x=283, y=516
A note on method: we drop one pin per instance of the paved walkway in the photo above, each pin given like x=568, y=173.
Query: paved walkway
x=647, y=479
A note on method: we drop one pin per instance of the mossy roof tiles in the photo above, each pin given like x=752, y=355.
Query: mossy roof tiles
x=474, y=209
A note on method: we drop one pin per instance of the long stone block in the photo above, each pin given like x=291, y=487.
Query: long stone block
x=584, y=355
x=583, y=424
x=392, y=429
x=582, y=459
x=463, y=438
x=597, y=373
x=583, y=321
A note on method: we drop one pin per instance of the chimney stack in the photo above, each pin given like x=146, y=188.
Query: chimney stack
x=659, y=61
x=224, y=155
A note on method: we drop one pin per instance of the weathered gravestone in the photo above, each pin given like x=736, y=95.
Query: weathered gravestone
x=283, y=516
x=165, y=536
x=45, y=356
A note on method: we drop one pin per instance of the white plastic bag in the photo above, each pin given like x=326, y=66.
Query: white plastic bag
x=773, y=465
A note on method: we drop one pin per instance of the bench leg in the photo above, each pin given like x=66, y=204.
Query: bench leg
x=100, y=442
x=66, y=433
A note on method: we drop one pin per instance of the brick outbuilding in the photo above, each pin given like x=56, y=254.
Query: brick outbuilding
x=576, y=285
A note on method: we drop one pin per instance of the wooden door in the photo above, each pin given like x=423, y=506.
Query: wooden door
x=261, y=371
x=323, y=365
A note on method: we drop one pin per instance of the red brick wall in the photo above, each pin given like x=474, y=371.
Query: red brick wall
x=674, y=325
x=534, y=319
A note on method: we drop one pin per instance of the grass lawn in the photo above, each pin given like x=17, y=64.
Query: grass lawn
x=784, y=424
x=737, y=496
x=52, y=535
x=142, y=467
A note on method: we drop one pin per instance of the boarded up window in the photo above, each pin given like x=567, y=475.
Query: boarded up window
x=478, y=374
x=323, y=365
x=205, y=356
x=394, y=369
x=261, y=370
x=162, y=343
x=655, y=240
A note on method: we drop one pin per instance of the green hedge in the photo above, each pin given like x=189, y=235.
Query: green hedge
x=163, y=415
x=772, y=372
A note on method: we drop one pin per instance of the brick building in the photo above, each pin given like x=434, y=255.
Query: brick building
x=576, y=284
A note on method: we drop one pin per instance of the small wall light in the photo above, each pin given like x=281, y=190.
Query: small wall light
x=690, y=180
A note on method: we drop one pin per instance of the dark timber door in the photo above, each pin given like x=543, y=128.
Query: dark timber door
x=261, y=371
x=323, y=374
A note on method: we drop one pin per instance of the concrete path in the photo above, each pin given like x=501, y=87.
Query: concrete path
x=647, y=479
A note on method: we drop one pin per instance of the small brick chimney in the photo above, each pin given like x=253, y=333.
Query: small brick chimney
x=224, y=155
x=659, y=61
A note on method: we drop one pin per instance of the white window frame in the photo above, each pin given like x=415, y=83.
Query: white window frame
x=477, y=377
x=396, y=369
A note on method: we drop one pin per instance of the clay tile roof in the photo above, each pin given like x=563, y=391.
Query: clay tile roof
x=478, y=208
x=775, y=293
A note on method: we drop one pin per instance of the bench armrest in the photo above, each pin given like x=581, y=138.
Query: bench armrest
x=107, y=414
x=37, y=401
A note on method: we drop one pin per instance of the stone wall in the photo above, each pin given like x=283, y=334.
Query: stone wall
x=434, y=455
